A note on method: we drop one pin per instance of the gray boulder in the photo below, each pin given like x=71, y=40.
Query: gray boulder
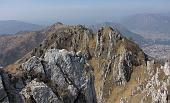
x=39, y=92
x=34, y=67
x=3, y=94
x=68, y=76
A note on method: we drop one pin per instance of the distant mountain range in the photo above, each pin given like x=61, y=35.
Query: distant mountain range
x=12, y=47
x=14, y=26
x=150, y=26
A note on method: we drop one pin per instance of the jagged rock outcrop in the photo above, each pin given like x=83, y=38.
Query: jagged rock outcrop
x=75, y=65
x=12, y=86
x=34, y=67
x=59, y=77
x=38, y=92
x=166, y=68
x=115, y=54
x=65, y=74
x=3, y=94
x=124, y=68
x=156, y=89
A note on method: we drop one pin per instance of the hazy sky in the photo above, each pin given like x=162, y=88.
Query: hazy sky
x=77, y=11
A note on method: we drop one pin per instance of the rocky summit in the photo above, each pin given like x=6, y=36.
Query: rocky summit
x=76, y=65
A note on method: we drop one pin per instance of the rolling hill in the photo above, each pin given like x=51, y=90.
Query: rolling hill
x=150, y=26
x=14, y=26
x=13, y=47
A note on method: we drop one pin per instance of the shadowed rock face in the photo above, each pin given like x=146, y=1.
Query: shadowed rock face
x=75, y=65
x=39, y=92
x=59, y=77
x=3, y=94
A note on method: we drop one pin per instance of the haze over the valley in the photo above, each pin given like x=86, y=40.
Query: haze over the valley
x=147, y=22
x=77, y=11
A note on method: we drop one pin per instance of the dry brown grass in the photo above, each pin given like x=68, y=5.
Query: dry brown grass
x=95, y=62
x=11, y=68
x=125, y=91
x=116, y=92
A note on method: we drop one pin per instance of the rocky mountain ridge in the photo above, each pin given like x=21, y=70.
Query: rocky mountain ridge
x=75, y=65
x=125, y=32
x=13, y=47
x=156, y=48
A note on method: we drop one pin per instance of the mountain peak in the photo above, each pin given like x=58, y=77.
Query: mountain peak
x=76, y=65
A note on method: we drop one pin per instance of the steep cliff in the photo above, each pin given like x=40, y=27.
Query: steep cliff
x=75, y=65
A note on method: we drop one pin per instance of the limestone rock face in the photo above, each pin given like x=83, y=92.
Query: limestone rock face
x=167, y=68
x=150, y=67
x=39, y=92
x=124, y=68
x=34, y=66
x=156, y=88
x=67, y=78
x=75, y=65
x=3, y=94
x=13, y=86
x=116, y=57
